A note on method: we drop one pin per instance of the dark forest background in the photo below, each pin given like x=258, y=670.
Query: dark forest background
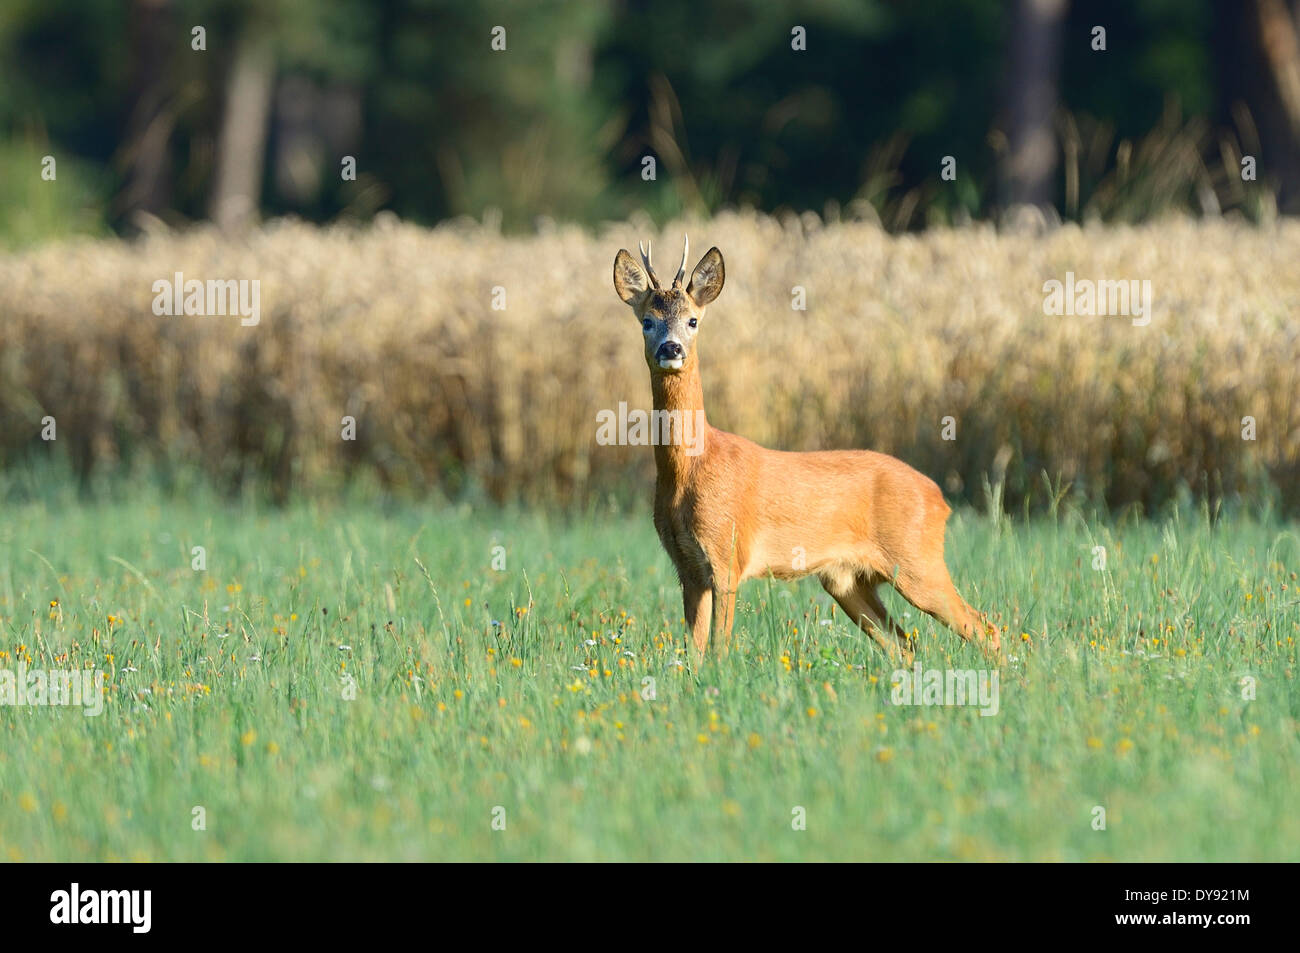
x=147, y=129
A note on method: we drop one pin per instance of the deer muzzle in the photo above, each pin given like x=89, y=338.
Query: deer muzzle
x=670, y=355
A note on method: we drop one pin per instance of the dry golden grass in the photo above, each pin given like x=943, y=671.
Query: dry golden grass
x=393, y=325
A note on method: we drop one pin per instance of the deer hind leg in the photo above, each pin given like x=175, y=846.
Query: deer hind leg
x=922, y=579
x=931, y=590
x=869, y=589
x=857, y=597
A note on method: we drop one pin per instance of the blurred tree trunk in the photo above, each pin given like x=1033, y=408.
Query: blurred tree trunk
x=1027, y=165
x=144, y=153
x=241, y=146
x=1259, y=66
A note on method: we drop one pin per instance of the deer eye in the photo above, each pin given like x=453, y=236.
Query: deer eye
x=646, y=323
x=691, y=322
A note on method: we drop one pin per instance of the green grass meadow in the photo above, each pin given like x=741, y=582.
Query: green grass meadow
x=499, y=713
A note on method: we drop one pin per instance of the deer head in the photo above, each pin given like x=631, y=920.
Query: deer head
x=669, y=316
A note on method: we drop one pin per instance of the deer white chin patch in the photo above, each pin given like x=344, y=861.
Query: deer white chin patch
x=674, y=365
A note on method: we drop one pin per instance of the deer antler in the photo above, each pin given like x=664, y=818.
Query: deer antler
x=681, y=269
x=649, y=269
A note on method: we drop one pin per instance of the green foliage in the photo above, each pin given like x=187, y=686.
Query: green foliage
x=33, y=209
x=558, y=124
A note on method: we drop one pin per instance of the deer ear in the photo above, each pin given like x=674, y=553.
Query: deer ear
x=630, y=280
x=707, y=278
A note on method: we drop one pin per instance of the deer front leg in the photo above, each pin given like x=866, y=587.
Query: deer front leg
x=724, y=596
x=698, y=603
x=726, y=617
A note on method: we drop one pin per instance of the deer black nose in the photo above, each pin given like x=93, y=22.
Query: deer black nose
x=668, y=351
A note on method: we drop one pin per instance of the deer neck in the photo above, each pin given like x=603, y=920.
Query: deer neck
x=682, y=395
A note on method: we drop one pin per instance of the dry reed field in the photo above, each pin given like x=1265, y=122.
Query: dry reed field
x=395, y=325
x=361, y=677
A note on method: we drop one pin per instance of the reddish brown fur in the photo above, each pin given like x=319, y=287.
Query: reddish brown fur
x=736, y=511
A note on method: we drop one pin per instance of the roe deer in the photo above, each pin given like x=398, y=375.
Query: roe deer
x=728, y=510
